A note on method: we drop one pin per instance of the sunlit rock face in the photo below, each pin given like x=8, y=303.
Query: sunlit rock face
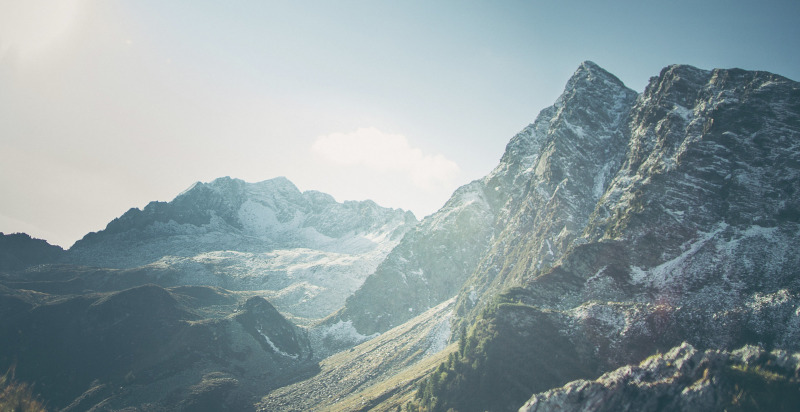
x=573, y=146
x=698, y=221
x=432, y=262
x=645, y=220
x=426, y=268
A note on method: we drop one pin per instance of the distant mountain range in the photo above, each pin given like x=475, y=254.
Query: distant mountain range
x=306, y=251
x=617, y=226
x=229, y=214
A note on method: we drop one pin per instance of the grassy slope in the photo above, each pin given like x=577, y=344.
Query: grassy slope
x=376, y=375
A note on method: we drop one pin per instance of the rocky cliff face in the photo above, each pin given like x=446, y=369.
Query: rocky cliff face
x=562, y=162
x=573, y=152
x=426, y=268
x=646, y=220
x=432, y=263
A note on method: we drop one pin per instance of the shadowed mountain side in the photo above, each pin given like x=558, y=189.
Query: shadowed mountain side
x=146, y=346
x=19, y=250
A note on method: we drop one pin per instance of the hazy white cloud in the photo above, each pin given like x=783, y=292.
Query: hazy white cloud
x=385, y=152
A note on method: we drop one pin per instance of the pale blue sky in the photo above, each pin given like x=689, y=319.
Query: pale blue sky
x=109, y=105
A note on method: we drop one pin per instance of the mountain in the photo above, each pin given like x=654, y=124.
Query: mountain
x=434, y=260
x=19, y=250
x=426, y=268
x=303, y=250
x=229, y=214
x=646, y=220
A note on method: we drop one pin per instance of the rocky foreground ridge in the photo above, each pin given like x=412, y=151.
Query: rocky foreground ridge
x=685, y=379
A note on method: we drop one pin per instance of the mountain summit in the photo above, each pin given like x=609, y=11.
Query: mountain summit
x=567, y=155
x=230, y=214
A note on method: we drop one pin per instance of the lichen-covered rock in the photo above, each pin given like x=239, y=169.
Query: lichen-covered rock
x=685, y=379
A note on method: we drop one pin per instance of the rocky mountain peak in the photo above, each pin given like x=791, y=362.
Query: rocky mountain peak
x=589, y=85
x=590, y=75
x=226, y=193
x=560, y=163
x=230, y=214
x=594, y=96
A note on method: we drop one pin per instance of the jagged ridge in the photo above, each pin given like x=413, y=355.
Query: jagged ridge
x=230, y=214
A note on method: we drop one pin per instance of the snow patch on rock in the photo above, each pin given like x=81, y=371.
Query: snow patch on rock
x=273, y=346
